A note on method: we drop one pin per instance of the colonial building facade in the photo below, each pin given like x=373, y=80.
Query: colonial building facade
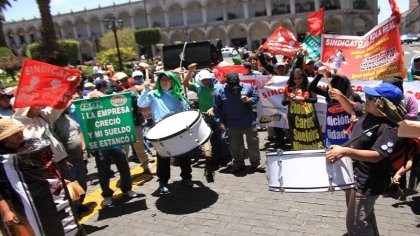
x=235, y=22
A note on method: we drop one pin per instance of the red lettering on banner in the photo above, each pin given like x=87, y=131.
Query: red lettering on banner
x=270, y=93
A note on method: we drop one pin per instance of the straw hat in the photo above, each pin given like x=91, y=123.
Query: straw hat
x=9, y=127
x=119, y=76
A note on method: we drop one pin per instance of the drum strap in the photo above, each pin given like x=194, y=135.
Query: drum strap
x=353, y=139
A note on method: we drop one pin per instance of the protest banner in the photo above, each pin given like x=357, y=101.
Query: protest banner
x=220, y=72
x=272, y=113
x=312, y=44
x=282, y=42
x=376, y=55
x=106, y=121
x=42, y=84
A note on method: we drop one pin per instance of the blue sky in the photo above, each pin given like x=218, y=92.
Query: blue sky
x=28, y=9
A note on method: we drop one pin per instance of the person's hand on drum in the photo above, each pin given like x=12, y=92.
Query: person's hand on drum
x=335, y=152
x=210, y=112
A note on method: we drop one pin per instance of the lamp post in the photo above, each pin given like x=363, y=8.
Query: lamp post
x=113, y=24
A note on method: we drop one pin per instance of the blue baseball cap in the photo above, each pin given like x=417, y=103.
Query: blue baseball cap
x=386, y=90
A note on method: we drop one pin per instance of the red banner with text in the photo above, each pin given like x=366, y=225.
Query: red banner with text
x=282, y=42
x=42, y=84
x=376, y=55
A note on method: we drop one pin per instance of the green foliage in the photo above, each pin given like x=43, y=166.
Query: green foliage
x=110, y=56
x=8, y=61
x=68, y=52
x=148, y=36
x=125, y=39
x=71, y=50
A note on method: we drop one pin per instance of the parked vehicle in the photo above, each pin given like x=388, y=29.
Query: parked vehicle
x=409, y=38
x=227, y=51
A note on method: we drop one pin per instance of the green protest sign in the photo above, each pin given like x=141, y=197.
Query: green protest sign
x=313, y=46
x=106, y=121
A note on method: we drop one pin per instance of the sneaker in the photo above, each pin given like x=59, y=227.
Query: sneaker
x=131, y=194
x=107, y=201
x=164, y=189
x=187, y=183
x=82, y=209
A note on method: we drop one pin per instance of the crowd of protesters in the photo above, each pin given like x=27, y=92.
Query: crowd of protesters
x=228, y=109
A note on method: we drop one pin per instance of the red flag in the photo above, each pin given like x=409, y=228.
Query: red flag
x=316, y=22
x=42, y=84
x=283, y=42
x=220, y=72
x=395, y=10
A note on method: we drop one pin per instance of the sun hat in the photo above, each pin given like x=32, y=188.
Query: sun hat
x=9, y=127
x=386, y=90
x=119, y=76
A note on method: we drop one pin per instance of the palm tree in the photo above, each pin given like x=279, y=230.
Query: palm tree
x=48, y=31
x=3, y=5
x=50, y=52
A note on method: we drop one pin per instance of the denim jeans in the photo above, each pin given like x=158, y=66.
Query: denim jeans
x=103, y=160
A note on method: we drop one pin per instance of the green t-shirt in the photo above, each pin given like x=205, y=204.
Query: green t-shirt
x=205, y=97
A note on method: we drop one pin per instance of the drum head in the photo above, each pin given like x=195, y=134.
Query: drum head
x=173, y=125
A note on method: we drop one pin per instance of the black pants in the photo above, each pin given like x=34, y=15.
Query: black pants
x=164, y=167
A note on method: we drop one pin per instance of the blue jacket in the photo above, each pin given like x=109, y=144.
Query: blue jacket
x=231, y=111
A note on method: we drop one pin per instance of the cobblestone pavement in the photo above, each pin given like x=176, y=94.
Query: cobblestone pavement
x=235, y=205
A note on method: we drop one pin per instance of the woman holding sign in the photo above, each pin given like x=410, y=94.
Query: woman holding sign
x=303, y=122
x=338, y=120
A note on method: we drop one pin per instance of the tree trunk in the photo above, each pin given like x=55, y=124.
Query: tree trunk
x=2, y=36
x=48, y=31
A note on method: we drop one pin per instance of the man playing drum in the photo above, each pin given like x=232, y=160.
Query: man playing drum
x=166, y=99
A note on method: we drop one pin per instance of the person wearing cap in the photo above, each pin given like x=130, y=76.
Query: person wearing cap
x=135, y=85
x=5, y=106
x=87, y=88
x=29, y=203
x=205, y=86
x=11, y=209
x=415, y=67
x=372, y=141
x=164, y=100
x=105, y=157
x=232, y=107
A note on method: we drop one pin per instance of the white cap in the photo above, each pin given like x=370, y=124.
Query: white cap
x=136, y=73
x=203, y=74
